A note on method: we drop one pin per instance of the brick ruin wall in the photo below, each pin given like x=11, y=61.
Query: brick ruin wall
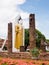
x=18, y=55
x=24, y=55
x=32, y=33
x=9, y=37
x=32, y=41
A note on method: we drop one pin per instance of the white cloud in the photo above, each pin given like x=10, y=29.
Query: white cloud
x=8, y=11
x=7, y=3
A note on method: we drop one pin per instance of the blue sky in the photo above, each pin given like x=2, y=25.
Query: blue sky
x=10, y=9
x=41, y=10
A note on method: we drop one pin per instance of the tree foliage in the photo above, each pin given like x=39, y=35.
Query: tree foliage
x=26, y=38
x=47, y=40
x=39, y=36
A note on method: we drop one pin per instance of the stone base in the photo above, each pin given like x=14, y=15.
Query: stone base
x=44, y=56
x=18, y=55
x=24, y=55
x=22, y=49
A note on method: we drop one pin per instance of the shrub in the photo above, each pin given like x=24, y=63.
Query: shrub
x=35, y=52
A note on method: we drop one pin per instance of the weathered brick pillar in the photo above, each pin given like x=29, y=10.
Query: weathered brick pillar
x=9, y=37
x=32, y=33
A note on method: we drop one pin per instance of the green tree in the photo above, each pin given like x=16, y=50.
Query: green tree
x=47, y=40
x=26, y=38
x=39, y=36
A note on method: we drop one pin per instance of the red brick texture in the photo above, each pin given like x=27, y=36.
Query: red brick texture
x=32, y=33
x=9, y=37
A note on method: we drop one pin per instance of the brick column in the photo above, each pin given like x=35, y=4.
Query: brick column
x=9, y=37
x=32, y=33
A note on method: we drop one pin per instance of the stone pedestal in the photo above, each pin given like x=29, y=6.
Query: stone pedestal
x=32, y=33
x=9, y=37
x=22, y=49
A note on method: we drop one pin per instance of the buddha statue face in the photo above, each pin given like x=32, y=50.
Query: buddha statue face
x=17, y=28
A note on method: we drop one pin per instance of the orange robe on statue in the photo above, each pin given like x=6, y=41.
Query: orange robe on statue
x=18, y=36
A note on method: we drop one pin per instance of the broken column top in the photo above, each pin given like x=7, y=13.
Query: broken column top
x=32, y=16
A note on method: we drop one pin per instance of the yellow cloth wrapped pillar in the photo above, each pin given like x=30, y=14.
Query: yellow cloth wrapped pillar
x=18, y=36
